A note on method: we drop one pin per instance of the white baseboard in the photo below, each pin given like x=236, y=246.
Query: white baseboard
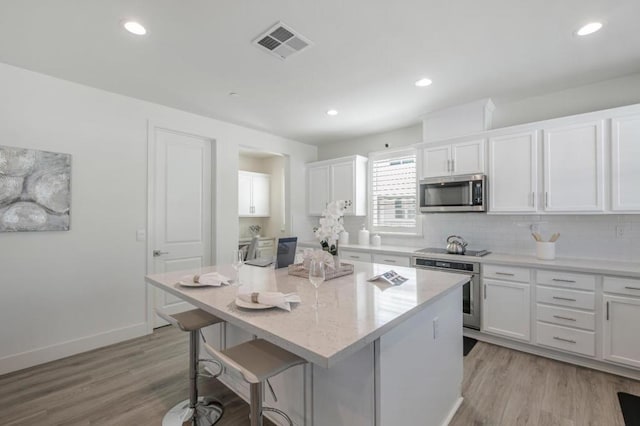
x=453, y=411
x=38, y=356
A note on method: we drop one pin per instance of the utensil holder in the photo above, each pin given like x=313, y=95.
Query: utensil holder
x=545, y=250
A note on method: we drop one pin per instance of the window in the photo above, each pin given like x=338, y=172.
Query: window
x=393, y=193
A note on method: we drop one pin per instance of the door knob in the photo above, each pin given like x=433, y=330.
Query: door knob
x=157, y=253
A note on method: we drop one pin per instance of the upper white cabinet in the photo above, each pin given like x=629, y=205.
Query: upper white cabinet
x=253, y=194
x=462, y=158
x=574, y=168
x=317, y=189
x=340, y=179
x=625, y=163
x=513, y=173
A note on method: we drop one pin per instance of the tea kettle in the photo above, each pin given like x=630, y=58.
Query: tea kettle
x=456, y=245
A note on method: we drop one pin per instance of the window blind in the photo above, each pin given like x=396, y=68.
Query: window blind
x=393, y=193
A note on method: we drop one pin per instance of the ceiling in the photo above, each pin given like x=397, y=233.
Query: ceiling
x=365, y=56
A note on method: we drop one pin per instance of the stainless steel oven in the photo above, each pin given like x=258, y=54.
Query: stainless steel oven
x=470, y=291
x=453, y=194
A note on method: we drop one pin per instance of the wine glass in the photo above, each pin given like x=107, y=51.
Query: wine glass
x=237, y=262
x=316, y=276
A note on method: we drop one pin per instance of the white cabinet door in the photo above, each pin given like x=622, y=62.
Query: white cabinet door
x=625, y=163
x=244, y=194
x=317, y=189
x=260, y=191
x=343, y=179
x=573, y=168
x=467, y=158
x=620, y=331
x=506, y=308
x=436, y=161
x=513, y=173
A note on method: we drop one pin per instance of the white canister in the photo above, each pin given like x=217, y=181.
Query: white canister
x=545, y=250
x=363, y=236
x=344, y=238
x=376, y=241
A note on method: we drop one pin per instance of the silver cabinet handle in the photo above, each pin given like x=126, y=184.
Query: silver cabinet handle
x=564, y=298
x=453, y=165
x=390, y=260
x=546, y=199
x=564, y=318
x=560, y=280
x=354, y=257
x=564, y=340
x=607, y=310
x=632, y=288
x=157, y=253
x=485, y=291
x=505, y=273
x=448, y=165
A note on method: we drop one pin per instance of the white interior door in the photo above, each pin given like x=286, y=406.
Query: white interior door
x=181, y=209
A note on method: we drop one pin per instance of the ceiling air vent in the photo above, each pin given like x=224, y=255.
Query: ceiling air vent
x=281, y=41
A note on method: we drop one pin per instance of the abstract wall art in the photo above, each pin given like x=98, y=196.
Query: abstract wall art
x=35, y=190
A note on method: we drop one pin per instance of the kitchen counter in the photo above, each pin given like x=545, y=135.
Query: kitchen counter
x=352, y=319
x=379, y=354
x=593, y=266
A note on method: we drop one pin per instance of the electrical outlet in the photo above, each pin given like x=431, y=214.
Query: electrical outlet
x=141, y=235
x=622, y=230
x=535, y=227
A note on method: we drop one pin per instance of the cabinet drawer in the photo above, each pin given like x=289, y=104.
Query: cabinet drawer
x=358, y=256
x=618, y=285
x=568, y=339
x=564, y=297
x=568, y=317
x=388, y=259
x=508, y=273
x=564, y=279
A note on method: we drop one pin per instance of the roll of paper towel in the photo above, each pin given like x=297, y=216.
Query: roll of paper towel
x=363, y=236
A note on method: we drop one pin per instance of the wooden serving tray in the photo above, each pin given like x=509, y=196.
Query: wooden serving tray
x=298, y=270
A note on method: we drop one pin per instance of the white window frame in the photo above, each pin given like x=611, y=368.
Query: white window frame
x=375, y=156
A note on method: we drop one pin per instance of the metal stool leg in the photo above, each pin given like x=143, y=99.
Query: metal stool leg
x=255, y=410
x=198, y=410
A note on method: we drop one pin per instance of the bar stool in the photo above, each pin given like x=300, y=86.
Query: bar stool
x=198, y=410
x=257, y=360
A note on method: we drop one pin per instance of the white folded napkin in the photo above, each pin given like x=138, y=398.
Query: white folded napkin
x=214, y=279
x=271, y=298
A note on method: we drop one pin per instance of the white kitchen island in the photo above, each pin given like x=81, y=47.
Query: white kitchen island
x=378, y=354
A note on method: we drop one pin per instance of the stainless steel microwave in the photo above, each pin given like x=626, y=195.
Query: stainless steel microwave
x=453, y=194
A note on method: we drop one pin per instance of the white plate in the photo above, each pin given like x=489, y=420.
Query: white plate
x=241, y=303
x=188, y=284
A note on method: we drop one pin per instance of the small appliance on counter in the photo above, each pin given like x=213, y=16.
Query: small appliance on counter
x=376, y=240
x=456, y=244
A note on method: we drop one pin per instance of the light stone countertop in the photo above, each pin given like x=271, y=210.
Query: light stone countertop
x=586, y=265
x=353, y=311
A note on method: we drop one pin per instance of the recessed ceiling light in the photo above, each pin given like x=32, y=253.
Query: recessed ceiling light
x=135, y=28
x=332, y=112
x=590, y=28
x=423, y=82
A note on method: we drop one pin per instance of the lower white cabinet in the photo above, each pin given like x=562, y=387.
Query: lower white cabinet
x=358, y=256
x=506, y=309
x=620, y=332
x=389, y=259
x=566, y=338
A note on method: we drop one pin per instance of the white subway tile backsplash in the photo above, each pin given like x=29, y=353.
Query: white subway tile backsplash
x=589, y=236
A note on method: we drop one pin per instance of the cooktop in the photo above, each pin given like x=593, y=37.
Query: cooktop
x=438, y=250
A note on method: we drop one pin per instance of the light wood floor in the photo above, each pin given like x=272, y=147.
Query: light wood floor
x=136, y=382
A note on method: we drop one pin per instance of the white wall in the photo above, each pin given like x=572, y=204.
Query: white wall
x=370, y=143
x=66, y=292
